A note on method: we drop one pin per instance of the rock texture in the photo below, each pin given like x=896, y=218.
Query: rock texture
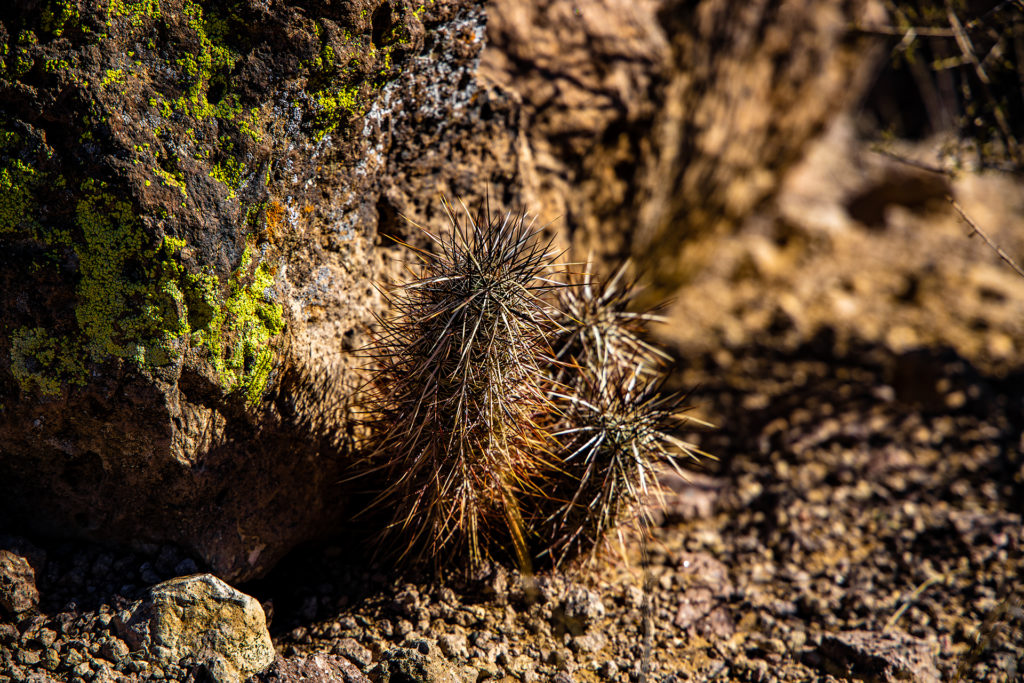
x=197, y=197
x=885, y=657
x=202, y=620
x=314, y=669
x=18, y=591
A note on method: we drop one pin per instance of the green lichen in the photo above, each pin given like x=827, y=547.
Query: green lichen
x=230, y=172
x=18, y=183
x=19, y=61
x=138, y=12
x=42, y=363
x=57, y=17
x=334, y=107
x=56, y=66
x=129, y=299
x=113, y=77
x=174, y=178
x=239, y=332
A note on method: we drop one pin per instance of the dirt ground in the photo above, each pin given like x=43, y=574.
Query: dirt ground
x=863, y=359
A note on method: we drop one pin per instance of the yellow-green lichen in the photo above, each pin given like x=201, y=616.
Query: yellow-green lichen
x=57, y=17
x=231, y=172
x=335, y=106
x=239, y=331
x=129, y=303
x=42, y=363
x=113, y=77
x=174, y=178
x=136, y=11
x=18, y=182
x=19, y=61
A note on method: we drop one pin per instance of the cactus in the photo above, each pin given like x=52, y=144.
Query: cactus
x=501, y=384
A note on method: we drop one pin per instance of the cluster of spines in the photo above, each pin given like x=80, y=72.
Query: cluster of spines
x=616, y=426
x=504, y=384
x=459, y=379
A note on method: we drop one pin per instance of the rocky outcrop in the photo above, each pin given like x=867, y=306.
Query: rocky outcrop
x=196, y=197
x=203, y=621
x=192, y=197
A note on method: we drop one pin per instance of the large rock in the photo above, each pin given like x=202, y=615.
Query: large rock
x=195, y=198
x=190, y=198
x=201, y=619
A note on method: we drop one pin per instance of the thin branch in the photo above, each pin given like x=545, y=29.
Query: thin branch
x=896, y=31
x=988, y=240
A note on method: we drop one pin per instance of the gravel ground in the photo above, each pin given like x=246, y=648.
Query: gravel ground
x=850, y=528
x=853, y=526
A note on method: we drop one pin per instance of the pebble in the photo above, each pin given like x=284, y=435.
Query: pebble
x=352, y=650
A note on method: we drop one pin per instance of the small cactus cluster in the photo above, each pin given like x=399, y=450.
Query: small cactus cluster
x=512, y=405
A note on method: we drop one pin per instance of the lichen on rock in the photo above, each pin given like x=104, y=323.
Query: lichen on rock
x=184, y=207
x=201, y=619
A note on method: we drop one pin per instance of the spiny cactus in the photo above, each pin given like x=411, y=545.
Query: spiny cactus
x=460, y=377
x=615, y=438
x=615, y=427
x=484, y=434
x=601, y=335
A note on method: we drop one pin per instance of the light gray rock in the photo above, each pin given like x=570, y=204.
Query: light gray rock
x=583, y=608
x=202, y=619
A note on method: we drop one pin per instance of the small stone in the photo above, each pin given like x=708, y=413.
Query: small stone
x=73, y=658
x=147, y=574
x=352, y=650
x=582, y=609
x=114, y=649
x=592, y=641
x=402, y=664
x=104, y=674
x=454, y=645
x=609, y=670
x=8, y=632
x=318, y=667
x=18, y=591
x=46, y=637
x=51, y=659
x=29, y=657
x=185, y=567
x=82, y=670
x=889, y=656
